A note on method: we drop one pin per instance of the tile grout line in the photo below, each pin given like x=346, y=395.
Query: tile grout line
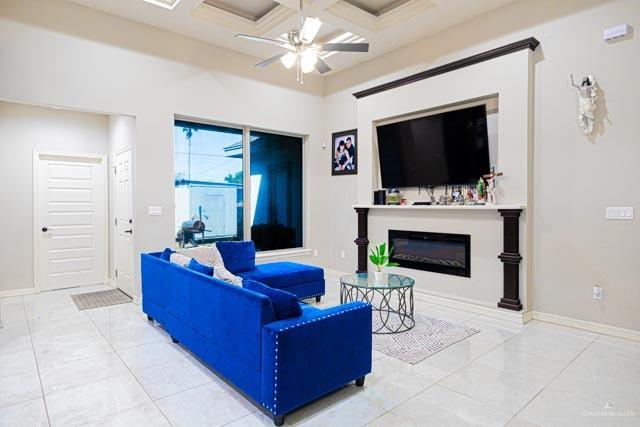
x=446, y=376
x=132, y=374
x=35, y=359
x=554, y=378
x=80, y=359
x=455, y=371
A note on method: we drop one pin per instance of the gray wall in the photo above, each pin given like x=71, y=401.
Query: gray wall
x=574, y=177
x=23, y=129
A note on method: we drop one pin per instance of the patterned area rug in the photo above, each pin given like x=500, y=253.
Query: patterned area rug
x=100, y=299
x=428, y=337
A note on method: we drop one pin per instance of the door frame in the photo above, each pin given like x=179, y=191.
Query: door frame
x=36, y=205
x=114, y=211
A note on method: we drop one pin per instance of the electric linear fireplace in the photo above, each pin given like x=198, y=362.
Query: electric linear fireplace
x=438, y=252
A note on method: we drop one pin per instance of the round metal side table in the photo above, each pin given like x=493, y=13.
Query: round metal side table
x=391, y=300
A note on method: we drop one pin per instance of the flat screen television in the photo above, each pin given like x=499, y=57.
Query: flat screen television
x=450, y=148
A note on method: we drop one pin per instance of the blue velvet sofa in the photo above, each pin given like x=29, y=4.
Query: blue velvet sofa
x=305, y=281
x=279, y=364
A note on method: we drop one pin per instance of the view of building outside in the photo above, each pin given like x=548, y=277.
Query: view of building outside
x=209, y=187
x=208, y=183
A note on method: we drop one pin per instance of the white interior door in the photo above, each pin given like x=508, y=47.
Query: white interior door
x=124, y=222
x=71, y=220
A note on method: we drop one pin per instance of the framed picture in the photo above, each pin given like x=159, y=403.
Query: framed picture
x=344, y=153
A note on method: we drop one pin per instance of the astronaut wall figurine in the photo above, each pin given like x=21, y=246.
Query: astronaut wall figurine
x=587, y=96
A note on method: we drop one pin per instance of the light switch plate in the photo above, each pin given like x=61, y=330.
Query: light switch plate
x=154, y=211
x=620, y=212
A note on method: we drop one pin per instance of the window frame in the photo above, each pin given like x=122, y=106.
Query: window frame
x=246, y=184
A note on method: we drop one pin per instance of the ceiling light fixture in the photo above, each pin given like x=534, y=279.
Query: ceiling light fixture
x=289, y=60
x=302, y=50
x=308, y=59
x=166, y=4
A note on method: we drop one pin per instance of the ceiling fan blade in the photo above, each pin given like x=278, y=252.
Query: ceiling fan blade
x=310, y=29
x=345, y=47
x=269, y=61
x=322, y=66
x=264, y=40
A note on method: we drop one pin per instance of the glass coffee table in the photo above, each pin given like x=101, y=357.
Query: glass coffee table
x=391, y=300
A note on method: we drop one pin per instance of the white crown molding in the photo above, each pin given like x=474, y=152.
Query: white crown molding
x=275, y=17
x=374, y=23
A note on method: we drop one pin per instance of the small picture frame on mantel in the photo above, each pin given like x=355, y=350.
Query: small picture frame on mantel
x=344, y=153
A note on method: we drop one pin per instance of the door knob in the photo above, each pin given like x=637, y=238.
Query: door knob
x=44, y=229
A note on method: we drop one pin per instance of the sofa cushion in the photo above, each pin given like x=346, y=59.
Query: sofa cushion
x=209, y=255
x=285, y=305
x=200, y=268
x=284, y=274
x=180, y=259
x=238, y=257
x=166, y=254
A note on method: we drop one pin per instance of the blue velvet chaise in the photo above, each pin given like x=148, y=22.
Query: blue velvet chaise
x=279, y=364
x=303, y=280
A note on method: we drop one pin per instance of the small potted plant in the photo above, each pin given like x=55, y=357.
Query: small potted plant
x=380, y=258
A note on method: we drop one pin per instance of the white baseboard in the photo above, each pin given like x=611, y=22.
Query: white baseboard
x=599, y=328
x=137, y=300
x=517, y=317
x=18, y=292
x=336, y=273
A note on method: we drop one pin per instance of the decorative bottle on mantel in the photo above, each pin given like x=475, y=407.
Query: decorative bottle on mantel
x=481, y=190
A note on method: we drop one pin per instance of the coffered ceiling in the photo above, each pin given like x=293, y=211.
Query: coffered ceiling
x=385, y=24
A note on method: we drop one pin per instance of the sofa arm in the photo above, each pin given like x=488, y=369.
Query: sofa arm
x=307, y=357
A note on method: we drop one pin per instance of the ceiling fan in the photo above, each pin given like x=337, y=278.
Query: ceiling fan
x=301, y=49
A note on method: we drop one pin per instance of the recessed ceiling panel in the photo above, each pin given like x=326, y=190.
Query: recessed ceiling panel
x=167, y=4
x=376, y=7
x=249, y=9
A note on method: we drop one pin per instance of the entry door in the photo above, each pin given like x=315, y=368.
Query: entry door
x=124, y=223
x=70, y=221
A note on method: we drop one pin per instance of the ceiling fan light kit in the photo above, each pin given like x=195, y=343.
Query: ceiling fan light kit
x=308, y=60
x=302, y=51
x=288, y=60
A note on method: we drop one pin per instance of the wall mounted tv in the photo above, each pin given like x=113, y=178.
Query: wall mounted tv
x=449, y=148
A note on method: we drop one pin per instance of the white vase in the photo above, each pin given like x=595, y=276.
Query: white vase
x=380, y=277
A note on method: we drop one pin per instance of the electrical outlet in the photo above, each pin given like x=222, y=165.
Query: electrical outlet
x=597, y=292
x=315, y=252
x=343, y=255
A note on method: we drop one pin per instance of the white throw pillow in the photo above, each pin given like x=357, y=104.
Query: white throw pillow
x=202, y=254
x=180, y=259
x=210, y=255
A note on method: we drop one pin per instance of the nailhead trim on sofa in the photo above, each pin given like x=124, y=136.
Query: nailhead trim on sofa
x=275, y=380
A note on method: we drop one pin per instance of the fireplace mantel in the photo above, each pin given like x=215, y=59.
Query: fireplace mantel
x=442, y=207
x=510, y=256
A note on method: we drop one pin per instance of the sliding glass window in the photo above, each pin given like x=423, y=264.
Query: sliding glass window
x=210, y=184
x=276, y=191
